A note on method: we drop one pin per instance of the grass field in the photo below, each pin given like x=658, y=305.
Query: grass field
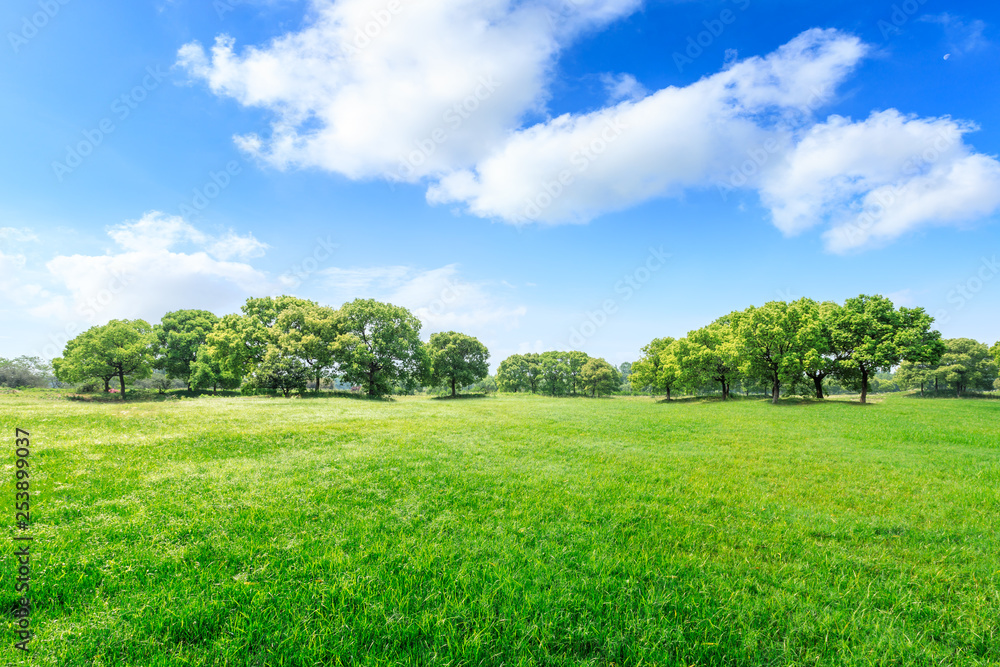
x=509, y=531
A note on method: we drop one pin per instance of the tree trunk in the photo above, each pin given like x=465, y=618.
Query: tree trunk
x=725, y=394
x=189, y=385
x=371, y=381
x=107, y=385
x=453, y=387
x=921, y=388
x=775, y=390
x=818, y=381
x=864, y=385
x=318, y=374
x=668, y=393
x=121, y=382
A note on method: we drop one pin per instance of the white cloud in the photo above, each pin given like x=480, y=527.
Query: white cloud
x=376, y=88
x=441, y=298
x=148, y=275
x=17, y=235
x=878, y=179
x=370, y=83
x=962, y=36
x=576, y=167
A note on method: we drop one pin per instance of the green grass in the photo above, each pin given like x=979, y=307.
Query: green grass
x=509, y=531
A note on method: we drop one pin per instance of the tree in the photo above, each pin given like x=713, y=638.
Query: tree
x=599, y=377
x=180, y=334
x=910, y=374
x=457, y=359
x=713, y=357
x=279, y=371
x=24, y=372
x=120, y=348
x=625, y=370
x=771, y=341
x=653, y=370
x=309, y=331
x=575, y=361
x=967, y=364
x=207, y=372
x=380, y=346
x=823, y=357
x=554, y=372
x=512, y=373
x=873, y=336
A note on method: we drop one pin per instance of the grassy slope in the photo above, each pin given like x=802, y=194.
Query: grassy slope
x=511, y=531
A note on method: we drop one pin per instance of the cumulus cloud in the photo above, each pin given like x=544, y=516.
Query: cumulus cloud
x=440, y=297
x=149, y=274
x=375, y=88
x=396, y=89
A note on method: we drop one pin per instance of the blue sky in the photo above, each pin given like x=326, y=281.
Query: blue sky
x=181, y=154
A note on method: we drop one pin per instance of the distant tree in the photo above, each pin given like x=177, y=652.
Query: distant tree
x=180, y=335
x=24, y=372
x=380, y=346
x=555, y=372
x=967, y=364
x=120, y=348
x=873, y=336
x=457, y=359
x=511, y=374
x=574, y=365
x=911, y=374
x=625, y=370
x=771, y=341
x=599, y=377
x=279, y=371
x=653, y=370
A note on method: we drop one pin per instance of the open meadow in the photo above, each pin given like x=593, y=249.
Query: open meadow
x=509, y=530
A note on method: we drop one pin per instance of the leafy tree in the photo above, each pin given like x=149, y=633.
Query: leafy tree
x=911, y=374
x=823, y=357
x=771, y=341
x=625, y=370
x=512, y=374
x=24, y=372
x=180, y=334
x=713, y=355
x=599, y=377
x=575, y=361
x=120, y=348
x=873, y=336
x=967, y=364
x=380, y=346
x=279, y=371
x=457, y=359
x=653, y=370
x=554, y=372
x=309, y=332
x=207, y=372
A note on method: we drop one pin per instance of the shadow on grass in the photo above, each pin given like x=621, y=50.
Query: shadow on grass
x=928, y=395
x=449, y=397
x=139, y=396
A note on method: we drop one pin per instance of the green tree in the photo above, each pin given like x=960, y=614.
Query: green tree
x=207, y=372
x=512, y=374
x=554, y=372
x=308, y=332
x=911, y=374
x=380, y=346
x=967, y=364
x=771, y=341
x=653, y=370
x=120, y=348
x=457, y=359
x=575, y=361
x=873, y=336
x=24, y=372
x=180, y=335
x=599, y=377
x=713, y=356
x=823, y=357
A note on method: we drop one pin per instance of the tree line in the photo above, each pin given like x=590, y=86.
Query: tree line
x=277, y=344
x=557, y=374
x=803, y=343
